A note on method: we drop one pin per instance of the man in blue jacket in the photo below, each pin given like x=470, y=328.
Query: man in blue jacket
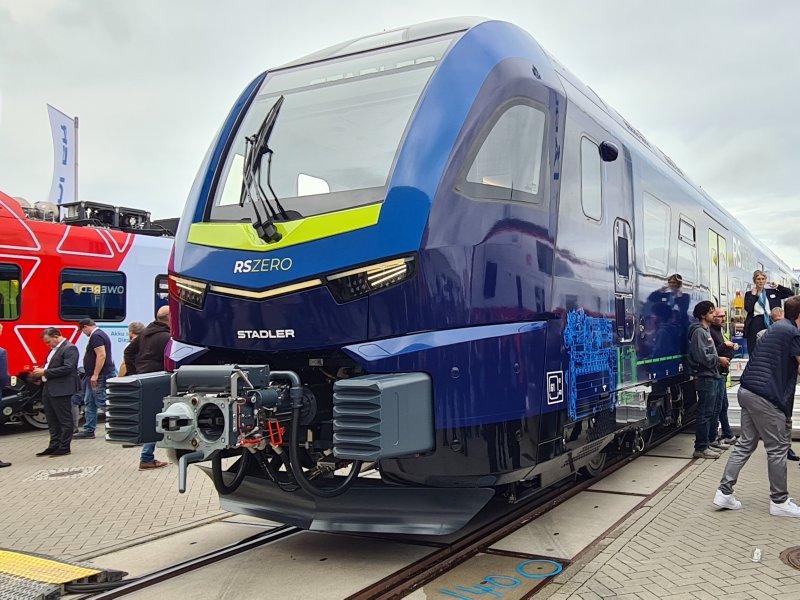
x=766, y=396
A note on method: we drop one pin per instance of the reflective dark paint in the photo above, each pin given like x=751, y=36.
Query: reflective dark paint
x=487, y=311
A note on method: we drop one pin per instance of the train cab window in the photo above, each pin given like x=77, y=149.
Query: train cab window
x=161, y=293
x=507, y=164
x=656, y=220
x=337, y=133
x=99, y=295
x=687, y=251
x=10, y=286
x=591, y=180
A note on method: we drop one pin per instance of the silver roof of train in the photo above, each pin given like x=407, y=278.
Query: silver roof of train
x=400, y=35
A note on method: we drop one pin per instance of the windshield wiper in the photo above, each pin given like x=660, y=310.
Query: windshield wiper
x=256, y=146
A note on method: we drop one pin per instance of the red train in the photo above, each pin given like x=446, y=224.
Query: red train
x=97, y=261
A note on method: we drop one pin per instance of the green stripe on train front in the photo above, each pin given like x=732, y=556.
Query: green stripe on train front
x=242, y=236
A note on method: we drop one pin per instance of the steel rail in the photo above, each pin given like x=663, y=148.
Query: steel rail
x=193, y=564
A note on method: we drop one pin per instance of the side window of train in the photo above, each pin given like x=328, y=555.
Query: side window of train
x=506, y=161
x=10, y=291
x=161, y=293
x=656, y=219
x=591, y=180
x=687, y=250
x=99, y=295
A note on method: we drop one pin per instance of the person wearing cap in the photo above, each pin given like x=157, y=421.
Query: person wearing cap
x=98, y=365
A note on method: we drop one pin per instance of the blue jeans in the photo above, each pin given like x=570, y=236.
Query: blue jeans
x=148, y=453
x=713, y=425
x=94, y=398
x=707, y=412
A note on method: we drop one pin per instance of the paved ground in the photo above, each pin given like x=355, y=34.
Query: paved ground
x=677, y=546
x=100, y=500
x=674, y=546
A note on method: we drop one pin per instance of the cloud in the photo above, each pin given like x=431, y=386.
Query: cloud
x=713, y=84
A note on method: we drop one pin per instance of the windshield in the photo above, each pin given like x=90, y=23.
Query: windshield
x=338, y=131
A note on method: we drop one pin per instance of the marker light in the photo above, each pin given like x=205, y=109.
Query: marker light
x=187, y=291
x=355, y=283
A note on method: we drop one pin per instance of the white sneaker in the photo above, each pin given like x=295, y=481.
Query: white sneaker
x=784, y=509
x=727, y=501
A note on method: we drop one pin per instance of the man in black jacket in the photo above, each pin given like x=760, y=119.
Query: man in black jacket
x=60, y=380
x=147, y=353
x=766, y=396
x=727, y=349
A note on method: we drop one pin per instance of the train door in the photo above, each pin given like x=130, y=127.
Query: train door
x=624, y=307
x=595, y=287
x=718, y=269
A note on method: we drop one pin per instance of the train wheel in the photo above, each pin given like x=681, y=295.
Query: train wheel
x=648, y=435
x=36, y=418
x=595, y=466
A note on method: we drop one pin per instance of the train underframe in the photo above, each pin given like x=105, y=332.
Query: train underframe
x=319, y=444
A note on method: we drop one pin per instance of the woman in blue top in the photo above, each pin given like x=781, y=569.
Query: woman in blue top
x=758, y=303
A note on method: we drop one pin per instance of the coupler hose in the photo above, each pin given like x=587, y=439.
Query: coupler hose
x=296, y=395
x=219, y=481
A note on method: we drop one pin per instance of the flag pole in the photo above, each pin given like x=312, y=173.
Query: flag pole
x=76, y=160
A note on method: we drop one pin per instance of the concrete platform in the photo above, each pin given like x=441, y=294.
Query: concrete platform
x=677, y=545
x=642, y=477
x=570, y=527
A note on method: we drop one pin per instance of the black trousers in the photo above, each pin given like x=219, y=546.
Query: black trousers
x=59, y=419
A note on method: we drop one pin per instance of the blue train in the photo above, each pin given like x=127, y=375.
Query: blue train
x=425, y=267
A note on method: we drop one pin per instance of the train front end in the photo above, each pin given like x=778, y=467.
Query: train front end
x=323, y=333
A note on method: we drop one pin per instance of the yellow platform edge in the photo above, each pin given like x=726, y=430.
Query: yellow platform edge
x=40, y=569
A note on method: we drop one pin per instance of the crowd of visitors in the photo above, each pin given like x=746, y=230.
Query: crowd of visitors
x=64, y=386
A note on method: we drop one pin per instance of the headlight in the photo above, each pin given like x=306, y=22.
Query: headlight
x=187, y=291
x=355, y=283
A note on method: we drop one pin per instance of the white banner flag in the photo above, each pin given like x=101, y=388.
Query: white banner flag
x=65, y=147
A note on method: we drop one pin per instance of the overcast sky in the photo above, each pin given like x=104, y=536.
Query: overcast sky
x=715, y=84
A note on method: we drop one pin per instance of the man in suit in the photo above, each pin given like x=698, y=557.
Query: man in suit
x=60, y=380
x=5, y=380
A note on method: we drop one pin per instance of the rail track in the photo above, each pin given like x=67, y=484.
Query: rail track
x=410, y=577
